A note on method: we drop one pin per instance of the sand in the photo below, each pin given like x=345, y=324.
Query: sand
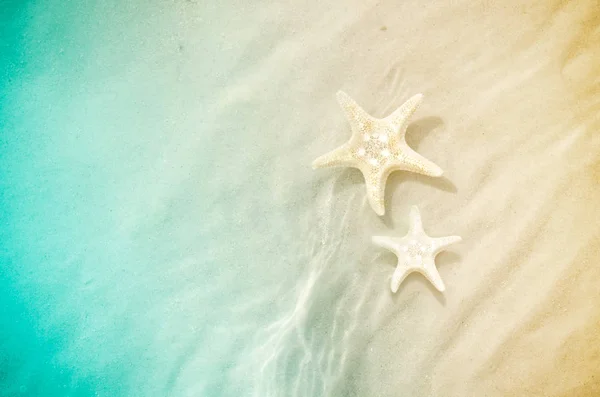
x=164, y=234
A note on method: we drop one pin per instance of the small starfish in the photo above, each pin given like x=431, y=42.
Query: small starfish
x=416, y=252
x=377, y=148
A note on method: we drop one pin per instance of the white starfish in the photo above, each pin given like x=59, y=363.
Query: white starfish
x=377, y=148
x=416, y=252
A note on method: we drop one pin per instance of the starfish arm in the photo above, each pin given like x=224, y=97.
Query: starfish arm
x=386, y=242
x=432, y=274
x=340, y=157
x=399, y=275
x=414, y=217
x=354, y=113
x=399, y=119
x=414, y=162
x=375, y=183
x=440, y=243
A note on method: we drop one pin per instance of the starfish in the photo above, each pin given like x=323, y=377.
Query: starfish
x=377, y=148
x=416, y=252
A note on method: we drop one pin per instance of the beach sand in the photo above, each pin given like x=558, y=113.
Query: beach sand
x=165, y=234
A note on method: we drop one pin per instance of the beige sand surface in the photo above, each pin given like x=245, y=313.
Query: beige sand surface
x=512, y=114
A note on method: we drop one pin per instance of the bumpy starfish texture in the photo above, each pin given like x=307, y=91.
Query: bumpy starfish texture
x=377, y=148
x=416, y=252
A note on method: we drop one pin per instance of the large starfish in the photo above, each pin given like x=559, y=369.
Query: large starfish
x=377, y=148
x=416, y=252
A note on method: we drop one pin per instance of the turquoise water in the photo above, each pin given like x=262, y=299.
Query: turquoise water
x=152, y=241
x=46, y=227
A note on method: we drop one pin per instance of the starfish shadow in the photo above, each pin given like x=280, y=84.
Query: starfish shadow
x=446, y=258
x=419, y=129
x=441, y=183
x=418, y=278
x=387, y=218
